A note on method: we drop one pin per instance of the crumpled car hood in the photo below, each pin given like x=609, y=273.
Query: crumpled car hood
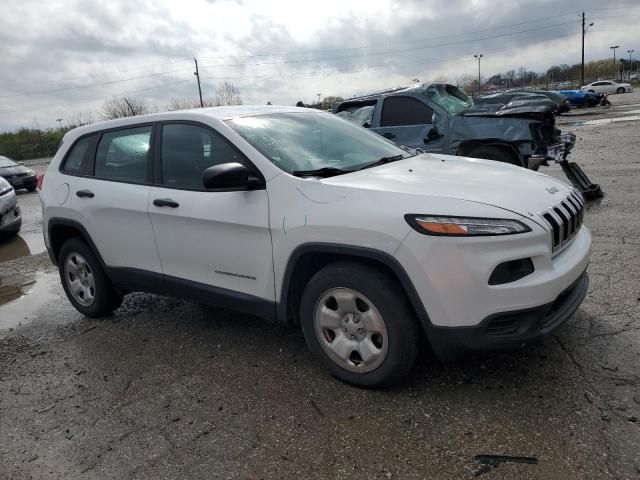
x=484, y=181
x=517, y=108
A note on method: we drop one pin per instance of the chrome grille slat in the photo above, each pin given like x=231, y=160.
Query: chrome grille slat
x=565, y=219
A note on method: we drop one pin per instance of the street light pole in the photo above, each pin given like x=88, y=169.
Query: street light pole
x=614, y=61
x=479, y=57
x=630, y=52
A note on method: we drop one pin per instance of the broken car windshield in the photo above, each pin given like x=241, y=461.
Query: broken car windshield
x=453, y=99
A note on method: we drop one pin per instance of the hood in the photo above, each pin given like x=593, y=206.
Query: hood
x=520, y=107
x=10, y=171
x=483, y=181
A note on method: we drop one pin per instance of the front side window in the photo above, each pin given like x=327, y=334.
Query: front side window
x=308, y=141
x=76, y=158
x=398, y=111
x=188, y=150
x=123, y=155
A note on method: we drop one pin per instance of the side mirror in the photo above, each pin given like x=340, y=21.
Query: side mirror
x=229, y=175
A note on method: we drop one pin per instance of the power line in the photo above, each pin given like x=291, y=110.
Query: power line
x=64, y=89
x=374, y=45
x=303, y=74
x=66, y=79
x=375, y=67
x=391, y=51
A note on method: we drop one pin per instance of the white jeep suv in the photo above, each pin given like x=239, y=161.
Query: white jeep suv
x=304, y=217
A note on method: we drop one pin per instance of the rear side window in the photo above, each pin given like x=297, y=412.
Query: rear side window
x=123, y=155
x=77, y=156
x=188, y=150
x=398, y=111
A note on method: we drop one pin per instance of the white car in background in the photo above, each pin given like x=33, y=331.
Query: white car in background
x=607, y=86
x=301, y=216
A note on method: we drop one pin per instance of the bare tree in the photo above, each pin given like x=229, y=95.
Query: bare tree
x=119, y=107
x=81, y=118
x=227, y=94
x=183, y=104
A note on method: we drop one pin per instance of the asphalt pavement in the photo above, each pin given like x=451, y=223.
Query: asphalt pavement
x=172, y=389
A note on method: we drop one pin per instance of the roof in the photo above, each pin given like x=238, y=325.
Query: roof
x=219, y=113
x=416, y=87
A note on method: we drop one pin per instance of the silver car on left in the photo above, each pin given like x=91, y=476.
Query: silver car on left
x=10, y=217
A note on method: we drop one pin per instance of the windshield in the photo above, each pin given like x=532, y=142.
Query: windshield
x=309, y=141
x=449, y=97
x=6, y=162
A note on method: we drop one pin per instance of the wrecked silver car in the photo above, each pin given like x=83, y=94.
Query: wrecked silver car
x=441, y=118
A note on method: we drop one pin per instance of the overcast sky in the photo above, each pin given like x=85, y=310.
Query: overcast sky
x=278, y=51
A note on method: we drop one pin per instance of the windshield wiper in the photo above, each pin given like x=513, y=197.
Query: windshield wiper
x=383, y=160
x=323, y=172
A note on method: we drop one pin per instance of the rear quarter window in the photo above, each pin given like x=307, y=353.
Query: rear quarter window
x=76, y=160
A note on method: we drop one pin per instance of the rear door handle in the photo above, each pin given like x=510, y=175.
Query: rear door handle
x=84, y=194
x=165, y=202
x=388, y=135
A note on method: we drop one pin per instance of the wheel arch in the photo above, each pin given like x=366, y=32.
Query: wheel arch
x=62, y=229
x=309, y=258
x=468, y=146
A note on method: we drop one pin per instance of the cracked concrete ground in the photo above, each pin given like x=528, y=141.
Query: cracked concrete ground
x=171, y=389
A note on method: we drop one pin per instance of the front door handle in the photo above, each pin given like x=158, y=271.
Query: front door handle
x=165, y=202
x=388, y=135
x=84, y=194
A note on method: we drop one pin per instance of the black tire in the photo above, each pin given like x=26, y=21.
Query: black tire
x=32, y=188
x=106, y=299
x=491, y=152
x=402, y=332
x=620, y=90
x=14, y=230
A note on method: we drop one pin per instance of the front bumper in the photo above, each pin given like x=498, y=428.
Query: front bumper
x=30, y=181
x=10, y=220
x=510, y=330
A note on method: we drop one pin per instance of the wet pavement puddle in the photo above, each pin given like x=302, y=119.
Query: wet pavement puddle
x=21, y=297
x=21, y=245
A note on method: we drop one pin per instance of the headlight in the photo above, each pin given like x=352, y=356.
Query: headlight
x=464, y=226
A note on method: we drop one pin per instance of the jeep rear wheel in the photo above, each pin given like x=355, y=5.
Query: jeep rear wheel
x=84, y=280
x=360, y=325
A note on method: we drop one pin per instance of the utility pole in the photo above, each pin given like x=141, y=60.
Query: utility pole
x=479, y=56
x=630, y=52
x=59, y=120
x=197, y=74
x=584, y=31
x=615, y=67
x=133, y=112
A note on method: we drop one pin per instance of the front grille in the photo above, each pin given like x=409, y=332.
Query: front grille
x=565, y=219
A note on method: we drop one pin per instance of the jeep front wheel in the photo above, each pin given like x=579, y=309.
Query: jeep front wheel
x=360, y=325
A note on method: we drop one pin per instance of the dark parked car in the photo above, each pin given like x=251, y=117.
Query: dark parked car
x=17, y=174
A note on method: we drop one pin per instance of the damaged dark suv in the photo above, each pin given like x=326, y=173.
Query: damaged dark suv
x=441, y=118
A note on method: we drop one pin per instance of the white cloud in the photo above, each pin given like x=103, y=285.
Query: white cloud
x=78, y=43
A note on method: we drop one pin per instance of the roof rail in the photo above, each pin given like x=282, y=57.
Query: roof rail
x=381, y=92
